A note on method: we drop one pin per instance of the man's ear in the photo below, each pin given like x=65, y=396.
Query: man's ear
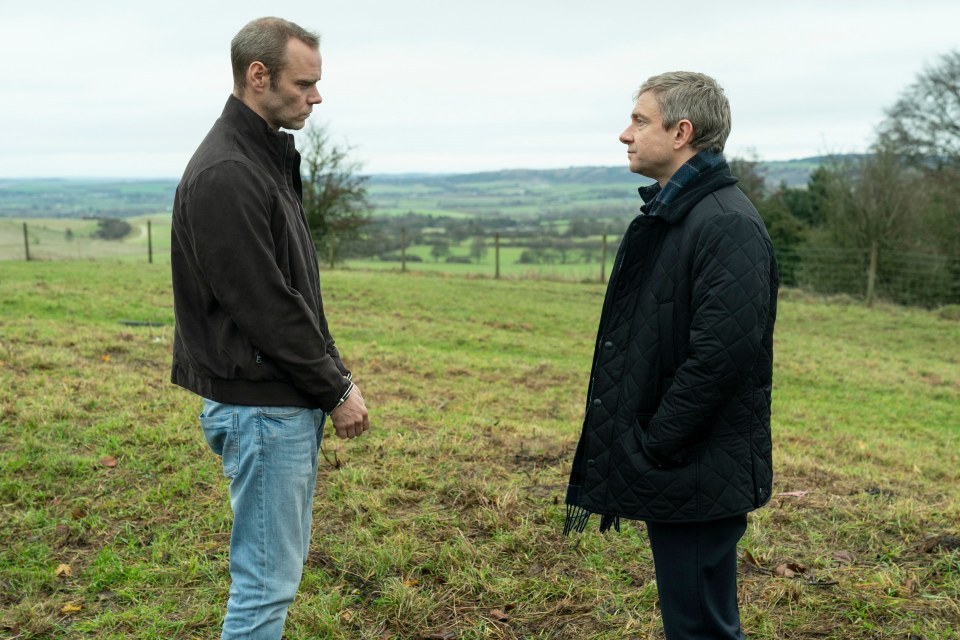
x=683, y=135
x=258, y=77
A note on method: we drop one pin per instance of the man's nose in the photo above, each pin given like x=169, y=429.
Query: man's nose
x=314, y=97
x=625, y=136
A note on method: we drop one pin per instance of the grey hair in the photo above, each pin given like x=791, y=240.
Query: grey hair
x=265, y=40
x=695, y=97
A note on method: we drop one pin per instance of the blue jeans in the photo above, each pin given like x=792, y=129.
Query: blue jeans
x=270, y=456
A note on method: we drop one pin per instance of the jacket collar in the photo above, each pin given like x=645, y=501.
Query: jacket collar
x=277, y=146
x=701, y=175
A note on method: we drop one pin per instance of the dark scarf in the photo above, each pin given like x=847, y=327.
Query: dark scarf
x=657, y=199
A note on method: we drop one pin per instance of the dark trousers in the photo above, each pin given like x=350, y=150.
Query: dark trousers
x=696, y=566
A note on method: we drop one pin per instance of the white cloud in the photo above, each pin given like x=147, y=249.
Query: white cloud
x=114, y=88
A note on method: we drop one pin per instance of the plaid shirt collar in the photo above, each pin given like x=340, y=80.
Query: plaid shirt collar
x=656, y=199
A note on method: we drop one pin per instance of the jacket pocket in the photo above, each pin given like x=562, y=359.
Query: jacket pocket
x=642, y=420
x=657, y=459
x=633, y=447
x=223, y=438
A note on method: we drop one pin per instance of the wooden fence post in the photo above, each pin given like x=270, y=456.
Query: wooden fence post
x=403, y=249
x=149, y=243
x=872, y=272
x=26, y=242
x=496, y=244
x=603, y=259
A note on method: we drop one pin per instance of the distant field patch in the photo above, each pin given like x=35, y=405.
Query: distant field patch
x=72, y=239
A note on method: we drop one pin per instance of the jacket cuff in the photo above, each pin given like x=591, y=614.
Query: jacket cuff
x=342, y=367
x=335, y=397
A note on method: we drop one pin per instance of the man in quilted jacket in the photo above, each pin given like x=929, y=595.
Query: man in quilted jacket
x=676, y=431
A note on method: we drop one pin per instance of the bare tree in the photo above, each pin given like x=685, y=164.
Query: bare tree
x=334, y=192
x=924, y=124
x=478, y=249
x=925, y=120
x=875, y=203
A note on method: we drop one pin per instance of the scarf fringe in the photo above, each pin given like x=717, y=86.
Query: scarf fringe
x=577, y=518
x=607, y=521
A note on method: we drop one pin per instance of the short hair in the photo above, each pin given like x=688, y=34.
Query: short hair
x=696, y=97
x=265, y=40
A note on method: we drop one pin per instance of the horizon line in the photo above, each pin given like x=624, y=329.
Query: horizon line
x=408, y=173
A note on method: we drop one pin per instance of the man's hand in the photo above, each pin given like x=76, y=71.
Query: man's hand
x=350, y=419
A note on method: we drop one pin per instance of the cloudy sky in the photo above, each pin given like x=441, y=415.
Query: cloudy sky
x=128, y=89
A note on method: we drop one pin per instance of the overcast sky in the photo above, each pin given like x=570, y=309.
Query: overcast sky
x=128, y=89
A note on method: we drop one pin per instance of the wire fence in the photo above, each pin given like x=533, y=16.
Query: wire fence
x=70, y=239
x=906, y=278
x=920, y=279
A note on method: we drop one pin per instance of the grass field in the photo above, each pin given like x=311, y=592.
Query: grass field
x=49, y=239
x=510, y=265
x=444, y=521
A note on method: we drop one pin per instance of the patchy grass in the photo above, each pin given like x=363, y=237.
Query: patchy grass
x=444, y=521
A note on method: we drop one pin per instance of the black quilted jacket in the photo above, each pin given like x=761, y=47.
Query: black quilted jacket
x=677, y=424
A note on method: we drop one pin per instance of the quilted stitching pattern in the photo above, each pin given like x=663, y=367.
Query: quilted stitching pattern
x=682, y=369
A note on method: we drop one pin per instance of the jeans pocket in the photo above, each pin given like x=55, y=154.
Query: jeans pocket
x=222, y=434
x=281, y=413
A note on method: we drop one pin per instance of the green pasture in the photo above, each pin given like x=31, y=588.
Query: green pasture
x=49, y=239
x=444, y=521
x=519, y=199
x=395, y=209
x=574, y=269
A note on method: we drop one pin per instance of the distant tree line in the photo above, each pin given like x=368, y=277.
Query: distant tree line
x=868, y=225
x=862, y=225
